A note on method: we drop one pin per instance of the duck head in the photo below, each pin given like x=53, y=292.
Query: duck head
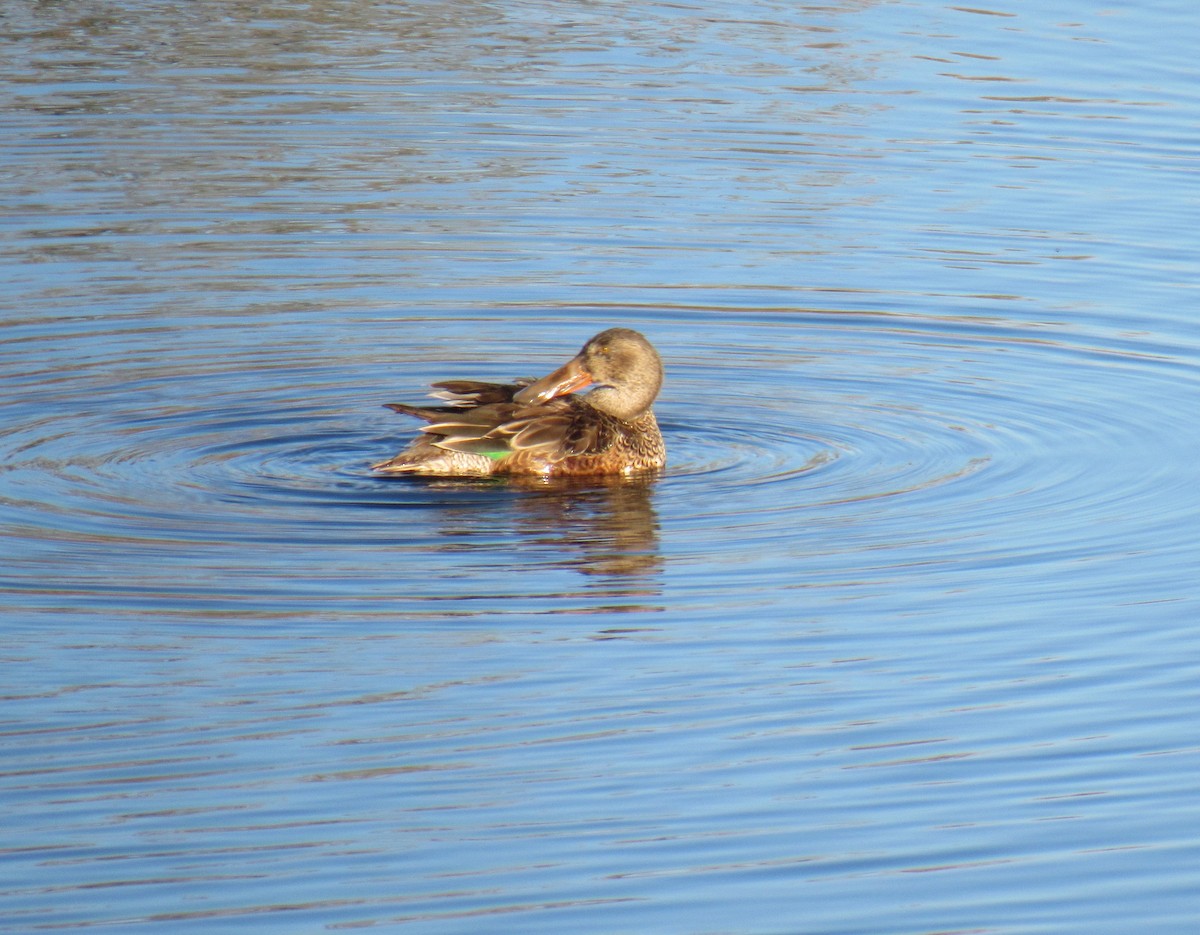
x=622, y=366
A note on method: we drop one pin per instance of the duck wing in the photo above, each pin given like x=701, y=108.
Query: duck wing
x=561, y=428
x=460, y=395
x=465, y=394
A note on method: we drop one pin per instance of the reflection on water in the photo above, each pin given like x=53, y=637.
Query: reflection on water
x=908, y=619
x=608, y=530
x=603, y=527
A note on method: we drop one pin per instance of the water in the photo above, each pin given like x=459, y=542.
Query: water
x=902, y=642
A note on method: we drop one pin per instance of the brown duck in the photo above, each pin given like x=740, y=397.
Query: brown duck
x=537, y=428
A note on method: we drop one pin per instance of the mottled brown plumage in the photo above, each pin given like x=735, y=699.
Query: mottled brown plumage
x=537, y=428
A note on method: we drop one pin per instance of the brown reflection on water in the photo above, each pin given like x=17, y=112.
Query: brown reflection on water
x=606, y=529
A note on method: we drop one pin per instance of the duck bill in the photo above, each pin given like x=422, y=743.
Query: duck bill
x=568, y=378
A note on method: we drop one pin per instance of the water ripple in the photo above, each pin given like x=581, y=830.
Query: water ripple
x=909, y=616
x=942, y=433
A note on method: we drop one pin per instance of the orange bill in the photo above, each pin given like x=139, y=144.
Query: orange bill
x=568, y=378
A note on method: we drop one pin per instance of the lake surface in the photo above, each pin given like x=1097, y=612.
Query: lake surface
x=905, y=639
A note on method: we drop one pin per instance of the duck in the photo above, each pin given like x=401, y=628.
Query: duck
x=538, y=427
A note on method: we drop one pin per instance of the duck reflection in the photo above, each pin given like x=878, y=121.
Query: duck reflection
x=605, y=529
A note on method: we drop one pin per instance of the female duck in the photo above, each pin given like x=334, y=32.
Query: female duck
x=537, y=428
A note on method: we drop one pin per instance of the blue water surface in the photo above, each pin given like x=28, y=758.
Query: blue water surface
x=903, y=640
